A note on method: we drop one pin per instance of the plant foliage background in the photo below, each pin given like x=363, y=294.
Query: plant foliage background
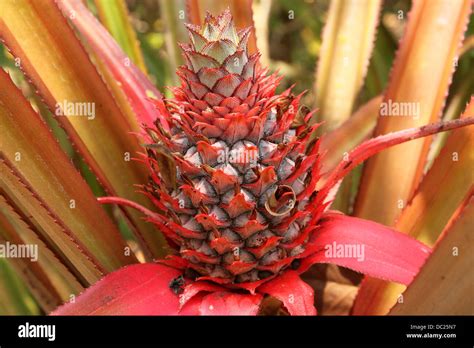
x=290, y=37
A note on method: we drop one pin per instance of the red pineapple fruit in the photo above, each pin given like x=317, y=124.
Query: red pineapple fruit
x=239, y=205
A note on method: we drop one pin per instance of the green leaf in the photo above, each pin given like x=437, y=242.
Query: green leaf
x=114, y=15
x=14, y=296
x=175, y=32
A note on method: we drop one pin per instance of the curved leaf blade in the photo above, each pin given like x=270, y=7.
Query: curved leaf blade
x=114, y=15
x=420, y=79
x=366, y=247
x=46, y=277
x=38, y=174
x=441, y=192
x=51, y=55
x=375, y=145
x=134, y=290
x=447, y=271
x=228, y=303
x=347, y=43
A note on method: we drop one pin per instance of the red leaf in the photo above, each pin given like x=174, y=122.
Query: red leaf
x=135, y=84
x=193, y=306
x=133, y=290
x=366, y=247
x=228, y=303
x=371, y=147
x=193, y=289
x=296, y=295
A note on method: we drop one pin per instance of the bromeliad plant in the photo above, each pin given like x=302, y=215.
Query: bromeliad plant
x=235, y=176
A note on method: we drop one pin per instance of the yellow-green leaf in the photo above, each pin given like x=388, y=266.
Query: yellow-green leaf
x=419, y=78
x=53, y=58
x=46, y=276
x=37, y=175
x=14, y=296
x=442, y=191
x=447, y=274
x=173, y=13
x=114, y=15
x=347, y=43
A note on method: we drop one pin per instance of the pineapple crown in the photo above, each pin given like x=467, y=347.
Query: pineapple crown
x=219, y=74
x=217, y=50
